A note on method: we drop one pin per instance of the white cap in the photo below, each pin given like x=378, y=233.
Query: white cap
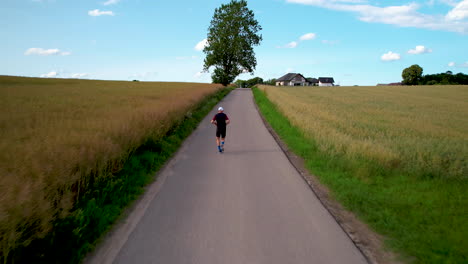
x=220, y=109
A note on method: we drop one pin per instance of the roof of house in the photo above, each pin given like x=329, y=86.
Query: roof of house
x=288, y=77
x=312, y=80
x=326, y=80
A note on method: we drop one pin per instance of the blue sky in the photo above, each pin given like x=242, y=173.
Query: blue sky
x=358, y=42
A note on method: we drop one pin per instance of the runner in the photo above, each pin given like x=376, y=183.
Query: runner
x=220, y=120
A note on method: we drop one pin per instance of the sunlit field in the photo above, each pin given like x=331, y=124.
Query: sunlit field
x=423, y=129
x=396, y=156
x=58, y=135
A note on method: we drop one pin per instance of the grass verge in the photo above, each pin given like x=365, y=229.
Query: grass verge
x=423, y=219
x=72, y=237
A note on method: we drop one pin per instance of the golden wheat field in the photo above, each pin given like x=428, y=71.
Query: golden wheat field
x=420, y=129
x=56, y=133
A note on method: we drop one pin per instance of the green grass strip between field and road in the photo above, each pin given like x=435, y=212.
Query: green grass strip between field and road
x=425, y=220
x=76, y=235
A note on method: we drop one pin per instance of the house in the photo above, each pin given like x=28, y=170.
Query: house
x=297, y=79
x=292, y=79
x=313, y=81
x=326, y=81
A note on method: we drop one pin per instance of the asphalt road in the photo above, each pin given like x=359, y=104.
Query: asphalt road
x=248, y=205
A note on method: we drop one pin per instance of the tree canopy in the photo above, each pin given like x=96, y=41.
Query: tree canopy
x=232, y=34
x=444, y=78
x=412, y=75
x=249, y=83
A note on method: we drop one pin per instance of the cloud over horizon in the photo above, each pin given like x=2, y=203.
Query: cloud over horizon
x=45, y=52
x=79, y=75
x=51, y=74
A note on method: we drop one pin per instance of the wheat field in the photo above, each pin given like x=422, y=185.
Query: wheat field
x=57, y=135
x=420, y=129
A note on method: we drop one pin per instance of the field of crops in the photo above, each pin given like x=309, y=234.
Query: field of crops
x=396, y=156
x=421, y=129
x=59, y=135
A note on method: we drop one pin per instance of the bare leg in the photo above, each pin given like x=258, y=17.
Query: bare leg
x=217, y=141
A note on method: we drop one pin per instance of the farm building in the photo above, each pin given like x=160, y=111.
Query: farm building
x=297, y=79
x=326, y=81
x=292, y=79
x=313, y=81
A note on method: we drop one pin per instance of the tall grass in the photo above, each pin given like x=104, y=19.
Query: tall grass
x=58, y=137
x=396, y=156
x=422, y=129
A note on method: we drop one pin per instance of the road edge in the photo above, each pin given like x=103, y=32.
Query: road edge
x=368, y=242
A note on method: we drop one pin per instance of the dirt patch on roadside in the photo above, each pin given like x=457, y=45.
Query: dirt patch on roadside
x=367, y=241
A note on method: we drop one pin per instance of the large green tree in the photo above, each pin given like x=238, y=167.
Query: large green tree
x=232, y=34
x=412, y=75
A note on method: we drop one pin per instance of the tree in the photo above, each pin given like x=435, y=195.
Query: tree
x=271, y=81
x=232, y=34
x=412, y=75
x=249, y=83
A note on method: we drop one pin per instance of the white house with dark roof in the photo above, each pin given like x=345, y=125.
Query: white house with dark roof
x=313, y=81
x=326, y=81
x=292, y=79
x=297, y=79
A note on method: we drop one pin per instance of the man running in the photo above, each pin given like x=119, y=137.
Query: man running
x=220, y=120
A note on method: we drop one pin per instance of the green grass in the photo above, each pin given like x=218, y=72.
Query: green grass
x=424, y=219
x=75, y=235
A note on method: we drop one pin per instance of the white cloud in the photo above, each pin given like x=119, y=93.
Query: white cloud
x=79, y=75
x=390, y=56
x=51, y=74
x=293, y=44
x=201, y=45
x=111, y=2
x=402, y=15
x=96, y=12
x=308, y=36
x=459, y=65
x=199, y=74
x=419, y=50
x=290, y=45
x=45, y=52
x=459, y=12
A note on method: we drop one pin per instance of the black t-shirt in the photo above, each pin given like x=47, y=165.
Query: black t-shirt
x=221, y=120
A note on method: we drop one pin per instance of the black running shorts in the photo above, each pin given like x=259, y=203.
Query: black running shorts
x=221, y=132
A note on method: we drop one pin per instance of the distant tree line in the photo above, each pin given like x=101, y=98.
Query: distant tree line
x=254, y=81
x=444, y=78
x=413, y=76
